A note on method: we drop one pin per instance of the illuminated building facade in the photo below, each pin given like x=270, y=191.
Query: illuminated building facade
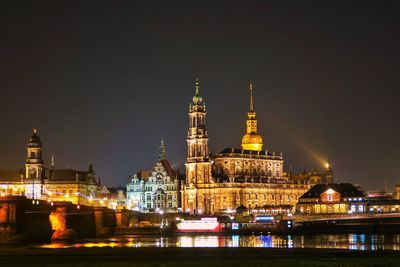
x=397, y=192
x=154, y=190
x=249, y=176
x=332, y=199
x=40, y=182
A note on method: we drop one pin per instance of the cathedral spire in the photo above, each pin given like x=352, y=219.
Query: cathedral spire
x=163, y=150
x=251, y=96
x=196, y=86
x=52, y=164
x=252, y=140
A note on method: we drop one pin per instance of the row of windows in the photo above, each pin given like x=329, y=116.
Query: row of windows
x=159, y=205
x=149, y=189
x=160, y=197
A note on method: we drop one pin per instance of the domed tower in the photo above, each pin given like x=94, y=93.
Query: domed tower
x=251, y=139
x=34, y=160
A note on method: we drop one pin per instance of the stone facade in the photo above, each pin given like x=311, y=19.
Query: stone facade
x=248, y=176
x=38, y=181
x=156, y=190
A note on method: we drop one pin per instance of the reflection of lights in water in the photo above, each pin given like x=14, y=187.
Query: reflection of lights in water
x=290, y=241
x=235, y=241
x=266, y=241
x=186, y=241
x=199, y=241
x=351, y=241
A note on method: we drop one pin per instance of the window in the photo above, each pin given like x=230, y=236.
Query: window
x=360, y=208
x=169, y=197
x=148, y=197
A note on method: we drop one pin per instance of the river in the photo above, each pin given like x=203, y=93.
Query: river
x=343, y=241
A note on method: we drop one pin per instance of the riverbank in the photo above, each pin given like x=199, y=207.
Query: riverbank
x=117, y=257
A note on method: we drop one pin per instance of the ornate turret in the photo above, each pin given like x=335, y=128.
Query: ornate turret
x=34, y=160
x=251, y=139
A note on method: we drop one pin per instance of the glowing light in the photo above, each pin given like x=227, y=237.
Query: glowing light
x=78, y=207
x=327, y=166
x=330, y=191
x=203, y=225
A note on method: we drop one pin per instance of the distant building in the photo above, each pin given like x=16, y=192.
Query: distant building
x=332, y=198
x=382, y=202
x=37, y=181
x=154, y=190
x=397, y=191
x=250, y=176
x=117, y=196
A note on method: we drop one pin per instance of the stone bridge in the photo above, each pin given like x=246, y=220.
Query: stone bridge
x=25, y=220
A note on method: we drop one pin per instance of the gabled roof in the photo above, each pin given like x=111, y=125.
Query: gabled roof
x=168, y=168
x=344, y=189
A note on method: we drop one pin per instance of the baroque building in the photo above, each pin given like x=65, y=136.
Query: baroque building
x=40, y=182
x=154, y=190
x=247, y=176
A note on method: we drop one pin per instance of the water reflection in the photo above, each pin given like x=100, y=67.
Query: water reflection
x=351, y=241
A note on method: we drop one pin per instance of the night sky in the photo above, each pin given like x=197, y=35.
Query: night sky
x=102, y=80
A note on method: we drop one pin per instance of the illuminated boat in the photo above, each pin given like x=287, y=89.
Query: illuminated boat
x=204, y=225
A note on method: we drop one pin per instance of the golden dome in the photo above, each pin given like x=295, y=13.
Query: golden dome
x=252, y=141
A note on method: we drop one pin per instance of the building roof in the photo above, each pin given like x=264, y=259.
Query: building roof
x=70, y=175
x=344, y=189
x=34, y=141
x=168, y=168
x=373, y=202
x=11, y=175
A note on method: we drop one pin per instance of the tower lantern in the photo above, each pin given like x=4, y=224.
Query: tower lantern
x=34, y=160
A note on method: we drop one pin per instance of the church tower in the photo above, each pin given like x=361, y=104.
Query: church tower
x=251, y=139
x=34, y=160
x=198, y=164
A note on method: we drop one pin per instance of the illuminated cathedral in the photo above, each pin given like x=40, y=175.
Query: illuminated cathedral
x=248, y=176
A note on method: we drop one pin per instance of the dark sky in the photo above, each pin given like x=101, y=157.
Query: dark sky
x=102, y=80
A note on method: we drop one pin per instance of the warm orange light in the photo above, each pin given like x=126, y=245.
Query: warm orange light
x=327, y=165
